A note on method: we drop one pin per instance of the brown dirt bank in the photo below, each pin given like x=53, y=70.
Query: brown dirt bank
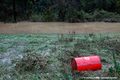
x=58, y=27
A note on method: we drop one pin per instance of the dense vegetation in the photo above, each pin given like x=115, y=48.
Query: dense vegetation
x=60, y=10
x=48, y=56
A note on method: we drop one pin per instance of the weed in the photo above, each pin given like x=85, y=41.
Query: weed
x=30, y=63
x=2, y=49
x=104, y=60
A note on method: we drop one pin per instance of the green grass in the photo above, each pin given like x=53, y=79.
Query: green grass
x=48, y=56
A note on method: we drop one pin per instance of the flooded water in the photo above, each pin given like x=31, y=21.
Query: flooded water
x=58, y=27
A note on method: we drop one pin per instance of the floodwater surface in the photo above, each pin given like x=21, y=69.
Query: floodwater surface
x=58, y=27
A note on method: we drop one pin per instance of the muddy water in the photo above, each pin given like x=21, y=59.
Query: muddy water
x=58, y=27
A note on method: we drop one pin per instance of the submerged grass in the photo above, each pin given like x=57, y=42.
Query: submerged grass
x=48, y=56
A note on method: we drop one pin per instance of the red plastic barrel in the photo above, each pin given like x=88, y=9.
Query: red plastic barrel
x=86, y=63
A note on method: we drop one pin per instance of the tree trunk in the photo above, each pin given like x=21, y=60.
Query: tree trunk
x=14, y=11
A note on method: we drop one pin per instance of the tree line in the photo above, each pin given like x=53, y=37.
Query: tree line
x=60, y=10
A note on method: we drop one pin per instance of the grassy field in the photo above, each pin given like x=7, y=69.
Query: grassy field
x=48, y=56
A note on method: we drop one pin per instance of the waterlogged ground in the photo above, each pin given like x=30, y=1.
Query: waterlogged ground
x=57, y=50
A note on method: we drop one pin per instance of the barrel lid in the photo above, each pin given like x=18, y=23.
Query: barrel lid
x=73, y=64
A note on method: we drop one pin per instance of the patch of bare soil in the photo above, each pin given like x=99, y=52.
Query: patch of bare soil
x=58, y=27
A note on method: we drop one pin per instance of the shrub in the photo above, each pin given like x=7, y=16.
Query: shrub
x=46, y=16
x=36, y=17
x=101, y=15
x=71, y=16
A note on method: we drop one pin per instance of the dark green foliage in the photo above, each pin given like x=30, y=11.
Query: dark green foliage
x=111, y=71
x=2, y=49
x=60, y=10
